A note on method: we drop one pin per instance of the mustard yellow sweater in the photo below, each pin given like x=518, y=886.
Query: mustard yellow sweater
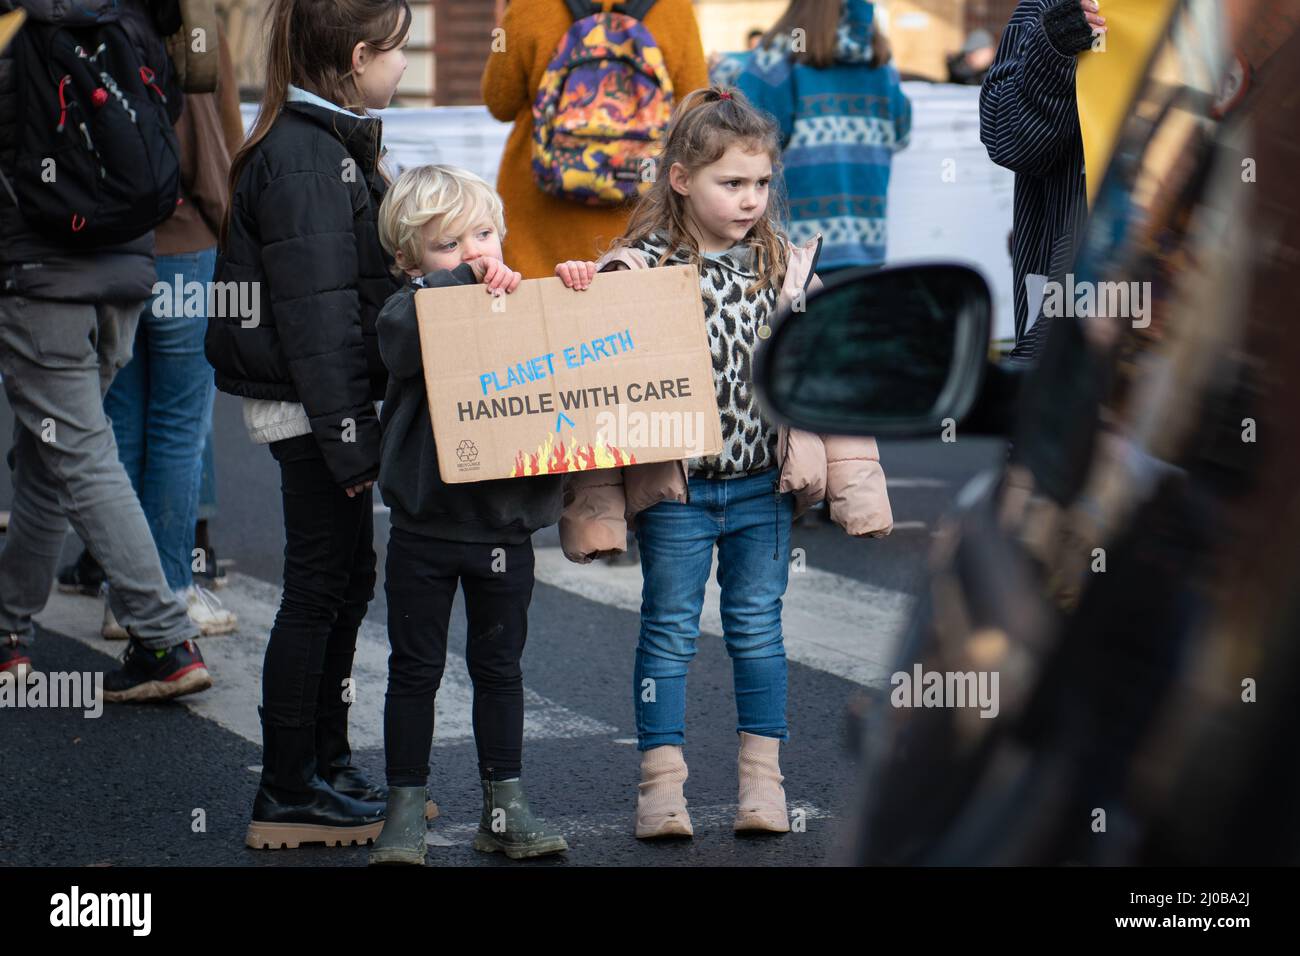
x=542, y=230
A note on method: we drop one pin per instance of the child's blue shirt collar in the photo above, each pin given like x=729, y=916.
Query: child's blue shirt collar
x=297, y=94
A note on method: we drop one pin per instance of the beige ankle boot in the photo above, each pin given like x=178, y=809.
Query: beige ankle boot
x=660, y=803
x=762, y=799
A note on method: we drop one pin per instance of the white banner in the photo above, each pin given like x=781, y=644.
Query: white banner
x=947, y=200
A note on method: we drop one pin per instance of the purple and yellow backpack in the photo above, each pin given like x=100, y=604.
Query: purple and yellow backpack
x=602, y=107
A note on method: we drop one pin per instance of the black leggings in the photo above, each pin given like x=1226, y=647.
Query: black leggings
x=421, y=578
x=329, y=578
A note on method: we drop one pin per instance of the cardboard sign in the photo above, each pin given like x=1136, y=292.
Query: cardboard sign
x=547, y=379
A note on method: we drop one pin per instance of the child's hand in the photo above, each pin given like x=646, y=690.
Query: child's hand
x=360, y=489
x=576, y=274
x=495, y=274
x=1095, y=19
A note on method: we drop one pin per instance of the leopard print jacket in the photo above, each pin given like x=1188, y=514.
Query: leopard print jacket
x=733, y=318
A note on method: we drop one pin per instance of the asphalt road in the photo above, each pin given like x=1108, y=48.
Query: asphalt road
x=173, y=784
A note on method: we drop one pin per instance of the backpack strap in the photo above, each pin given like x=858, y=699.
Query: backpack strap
x=581, y=8
x=633, y=8
x=636, y=8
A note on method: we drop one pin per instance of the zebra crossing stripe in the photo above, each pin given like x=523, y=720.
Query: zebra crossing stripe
x=831, y=622
x=235, y=661
x=706, y=818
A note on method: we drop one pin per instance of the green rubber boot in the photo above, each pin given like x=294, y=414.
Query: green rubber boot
x=508, y=826
x=402, y=839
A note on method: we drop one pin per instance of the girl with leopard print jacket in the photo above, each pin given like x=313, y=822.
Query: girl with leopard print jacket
x=711, y=207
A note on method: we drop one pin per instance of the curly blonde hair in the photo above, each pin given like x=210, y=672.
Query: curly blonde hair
x=455, y=197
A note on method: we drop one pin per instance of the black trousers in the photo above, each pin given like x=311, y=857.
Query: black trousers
x=421, y=575
x=329, y=579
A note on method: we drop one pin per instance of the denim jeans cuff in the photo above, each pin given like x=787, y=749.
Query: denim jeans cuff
x=648, y=741
x=781, y=733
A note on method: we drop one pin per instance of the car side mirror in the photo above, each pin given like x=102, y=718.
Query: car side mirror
x=892, y=351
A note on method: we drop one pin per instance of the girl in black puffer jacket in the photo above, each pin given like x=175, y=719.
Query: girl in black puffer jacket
x=300, y=280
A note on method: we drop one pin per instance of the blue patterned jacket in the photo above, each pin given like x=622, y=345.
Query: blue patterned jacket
x=841, y=127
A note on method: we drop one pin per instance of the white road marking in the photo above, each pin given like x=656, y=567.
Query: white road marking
x=704, y=818
x=235, y=661
x=831, y=622
x=916, y=483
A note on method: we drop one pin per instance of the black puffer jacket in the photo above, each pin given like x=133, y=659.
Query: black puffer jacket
x=303, y=242
x=505, y=510
x=30, y=264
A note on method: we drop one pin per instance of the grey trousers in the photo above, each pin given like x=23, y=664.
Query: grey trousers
x=58, y=359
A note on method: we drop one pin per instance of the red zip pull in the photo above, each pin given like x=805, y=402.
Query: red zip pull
x=78, y=226
x=63, y=103
x=147, y=75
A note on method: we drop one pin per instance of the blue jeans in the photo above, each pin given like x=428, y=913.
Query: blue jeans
x=208, y=478
x=161, y=408
x=750, y=523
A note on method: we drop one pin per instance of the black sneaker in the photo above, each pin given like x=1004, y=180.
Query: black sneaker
x=148, y=675
x=84, y=576
x=15, y=663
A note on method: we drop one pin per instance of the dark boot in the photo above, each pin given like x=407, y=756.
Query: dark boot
x=294, y=805
x=334, y=756
x=508, y=826
x=404, y=828
x=333, y=752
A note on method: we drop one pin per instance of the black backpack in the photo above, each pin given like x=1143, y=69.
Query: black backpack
x=98, y=162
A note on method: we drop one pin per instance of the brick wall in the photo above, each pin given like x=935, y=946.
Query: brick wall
x=991, y=15
x=462, y=38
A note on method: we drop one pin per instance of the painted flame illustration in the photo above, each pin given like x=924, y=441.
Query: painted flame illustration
x=551, y=458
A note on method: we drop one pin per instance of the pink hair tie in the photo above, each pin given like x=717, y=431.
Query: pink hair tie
x=725, y=95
